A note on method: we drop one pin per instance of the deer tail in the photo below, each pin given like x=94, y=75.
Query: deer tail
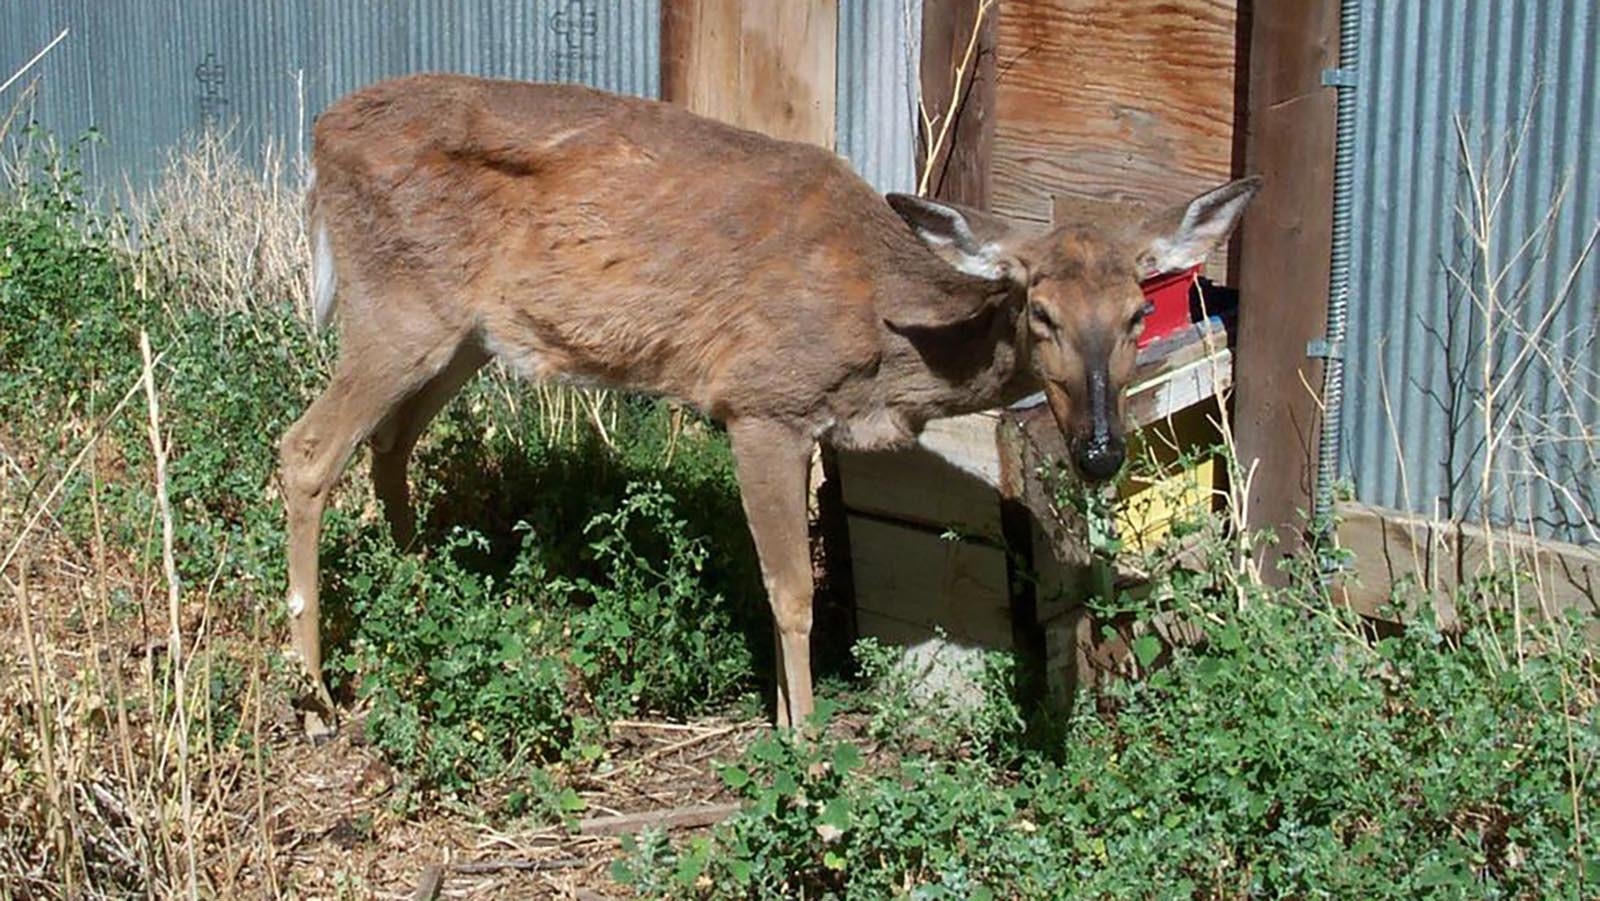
x=324, y=280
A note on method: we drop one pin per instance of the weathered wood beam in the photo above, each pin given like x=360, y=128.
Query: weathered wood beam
x=766, y=65
x=962, y=171
x=1283, y=255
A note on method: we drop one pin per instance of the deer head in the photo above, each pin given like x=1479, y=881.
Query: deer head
x=1077, y=295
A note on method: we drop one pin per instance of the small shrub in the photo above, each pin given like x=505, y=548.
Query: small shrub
x=462, y=671
x=470, y=674
x=817, y=824
x=652, y=636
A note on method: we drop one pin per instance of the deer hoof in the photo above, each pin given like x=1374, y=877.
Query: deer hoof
x=318, y=730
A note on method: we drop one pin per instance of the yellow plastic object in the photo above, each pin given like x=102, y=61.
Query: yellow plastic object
x=1173, y=478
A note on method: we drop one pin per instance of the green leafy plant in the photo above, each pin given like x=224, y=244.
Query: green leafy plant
x=460, y=667
x=1290, y=754
x=474, y=676
x=652, y=637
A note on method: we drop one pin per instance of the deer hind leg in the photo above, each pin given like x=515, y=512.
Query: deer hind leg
x=773, y=464
x=394, y=440
x=370, y=380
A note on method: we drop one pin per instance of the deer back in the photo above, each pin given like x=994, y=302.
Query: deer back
x=587, y=236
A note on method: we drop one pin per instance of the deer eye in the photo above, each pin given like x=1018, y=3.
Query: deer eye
x=1040, y=316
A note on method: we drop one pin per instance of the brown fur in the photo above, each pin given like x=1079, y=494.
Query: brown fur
x=596, y=238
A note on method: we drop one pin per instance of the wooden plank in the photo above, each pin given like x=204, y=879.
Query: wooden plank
x=1390, y=548
x=430, y=883
x=945, y=603
x=787, y=68
x=920, y=581
x=1161, y=396
x=766, y=65
x=1284, y=244
x=671, y=818
x=700, y=57
x=921, y=487
x=1063, y=581
x=1129, y=102
x=962, y=171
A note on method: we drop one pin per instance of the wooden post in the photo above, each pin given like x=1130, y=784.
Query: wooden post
x=1284, y=259
x=962, y=173
x=765, y=65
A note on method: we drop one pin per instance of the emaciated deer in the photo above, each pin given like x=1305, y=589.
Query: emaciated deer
x=599, y=239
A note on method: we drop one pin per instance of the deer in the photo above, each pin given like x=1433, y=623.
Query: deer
x=597, y=239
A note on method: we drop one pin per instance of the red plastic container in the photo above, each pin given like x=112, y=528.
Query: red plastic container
x=1169, y=294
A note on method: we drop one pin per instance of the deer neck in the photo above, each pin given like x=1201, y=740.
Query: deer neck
x=968, y=366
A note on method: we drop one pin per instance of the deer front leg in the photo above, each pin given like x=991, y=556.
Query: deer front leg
x=773, y=462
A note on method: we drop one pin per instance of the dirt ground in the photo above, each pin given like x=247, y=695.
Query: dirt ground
x=98, y=782
x=337, y=824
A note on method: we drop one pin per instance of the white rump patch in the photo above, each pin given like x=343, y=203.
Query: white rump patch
x=297, y=605
x=323, y=281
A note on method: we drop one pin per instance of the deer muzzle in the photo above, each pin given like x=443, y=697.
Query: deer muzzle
x=1093, y=440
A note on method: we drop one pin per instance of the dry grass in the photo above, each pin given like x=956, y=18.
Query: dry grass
x=221, y=235
x=93, y=778
x=148, y=747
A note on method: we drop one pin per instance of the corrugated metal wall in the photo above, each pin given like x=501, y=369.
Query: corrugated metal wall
x=878, y=82
x=147, y=72
x=1415, y=437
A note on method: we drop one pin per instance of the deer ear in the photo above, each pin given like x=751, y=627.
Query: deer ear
x=972, y=242
x=1182, y=237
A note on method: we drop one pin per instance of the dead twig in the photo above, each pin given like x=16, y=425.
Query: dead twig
x=32, y=62
x=689, y=742
x=672, y=818
x=937, y=143
x=72, y=469
x=668, y=727
x=510, y=863
x=169, y=564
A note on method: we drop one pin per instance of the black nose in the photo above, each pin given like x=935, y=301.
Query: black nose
x=1100, y=457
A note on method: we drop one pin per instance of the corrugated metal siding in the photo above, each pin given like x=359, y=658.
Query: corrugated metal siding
x=1500, y=66
x=147, y=72
x=877, y=88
